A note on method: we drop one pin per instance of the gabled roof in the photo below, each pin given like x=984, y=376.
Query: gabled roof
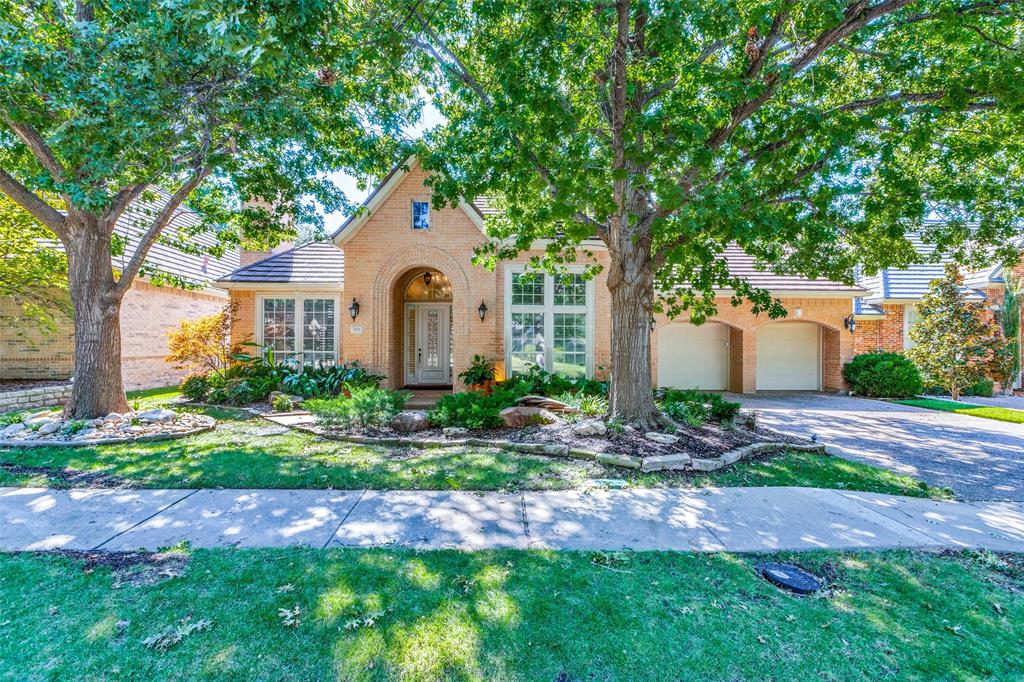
x=381, y=193
x=320, y=263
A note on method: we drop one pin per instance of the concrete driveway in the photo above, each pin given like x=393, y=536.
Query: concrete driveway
x=980, y=459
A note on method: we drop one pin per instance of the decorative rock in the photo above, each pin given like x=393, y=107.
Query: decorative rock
x=113, y=417
x=517, y=417
x=159, y=415
x=12, y=429
x=590, y=427
x=549, y=404
x=454, y=431
x=43, y=418
x=554, y=449
x=48, y=428
x=617, y=460
x=665, y=462
x=663, y=438
x=408, y=422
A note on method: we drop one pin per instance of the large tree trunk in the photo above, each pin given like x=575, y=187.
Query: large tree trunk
x=631, y=283
x=98, y=389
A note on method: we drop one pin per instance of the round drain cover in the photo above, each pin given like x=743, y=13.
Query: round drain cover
x=789, y=577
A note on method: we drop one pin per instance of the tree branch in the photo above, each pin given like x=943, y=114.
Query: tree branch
x=122, y=200
x=28, y=200
x=156, y=227
x=35, y=143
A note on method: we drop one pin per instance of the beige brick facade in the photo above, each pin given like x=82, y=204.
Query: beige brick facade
x=147, y=314
x=385, y=253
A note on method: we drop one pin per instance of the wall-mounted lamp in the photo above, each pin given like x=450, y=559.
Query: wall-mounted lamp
x=850, y=323
x=482, y=310
x=353, y=309
x=427, y=278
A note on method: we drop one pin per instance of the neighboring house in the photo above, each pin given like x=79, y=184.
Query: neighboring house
x=147, y=313
x=885, y=315
x=420, y=309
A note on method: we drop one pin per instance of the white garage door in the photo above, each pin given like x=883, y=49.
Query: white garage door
x=788, y=357
x=692, y=356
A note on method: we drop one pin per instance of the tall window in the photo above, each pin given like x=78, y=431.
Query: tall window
x=910, y=318
x=421, y=215
x=549, y=322
x=311, y=339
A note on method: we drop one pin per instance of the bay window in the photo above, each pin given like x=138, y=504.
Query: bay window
x=549, y=322
x=303, y=328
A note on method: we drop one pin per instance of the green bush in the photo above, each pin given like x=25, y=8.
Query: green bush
x=883, y=375
x=368, y=406
x=473, y=410
x=692, y=407
x=240, y=392
x=538, y=381
x=588, y=405
x=281, y=403
x=328, y=380
x=982, y=388
x=195, y=387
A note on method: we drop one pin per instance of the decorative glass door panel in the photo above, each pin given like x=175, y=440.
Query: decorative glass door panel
x=433, y=344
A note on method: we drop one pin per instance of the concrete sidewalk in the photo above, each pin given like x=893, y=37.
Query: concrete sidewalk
x=707, y=520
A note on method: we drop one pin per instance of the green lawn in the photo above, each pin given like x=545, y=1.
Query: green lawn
x=1002, y=414
x=246, y=452
x=507, y=615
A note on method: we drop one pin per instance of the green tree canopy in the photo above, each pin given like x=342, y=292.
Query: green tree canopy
x=239, y=107
x=33, y=274
x=813, y=133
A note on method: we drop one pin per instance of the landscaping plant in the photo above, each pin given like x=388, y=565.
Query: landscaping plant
x=691, y=407
x=195, y=387
x=810, y=133
x=369, y=406
x=282, y=403
x=203, y=343
x=883, y=375
x=328, y=380
x=473, y=410
x=956, y=341
x=479, y=376
x=1009, y=319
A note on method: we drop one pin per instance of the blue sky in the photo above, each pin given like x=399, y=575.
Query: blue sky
x=332, y=221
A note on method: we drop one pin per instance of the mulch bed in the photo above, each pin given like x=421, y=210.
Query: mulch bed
x=128, y=568
x=707, y=441
x=69, y=478
x=22, y=385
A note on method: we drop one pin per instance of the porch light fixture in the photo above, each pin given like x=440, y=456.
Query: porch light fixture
x=482, y=310
x=850, y=323
x=353, y=309
x=427, y=278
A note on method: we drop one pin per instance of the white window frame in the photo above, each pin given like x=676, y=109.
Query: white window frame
x=548, y=310
x=906, y=325
x=299, y=299
x=412, y=215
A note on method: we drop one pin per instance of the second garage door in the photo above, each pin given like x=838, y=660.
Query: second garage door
x=692, y=356
x=788, y=357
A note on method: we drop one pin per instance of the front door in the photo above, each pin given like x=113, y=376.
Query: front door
x=431, y=348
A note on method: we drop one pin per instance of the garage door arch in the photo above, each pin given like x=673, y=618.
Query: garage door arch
x=789, y=356
x=693, y=356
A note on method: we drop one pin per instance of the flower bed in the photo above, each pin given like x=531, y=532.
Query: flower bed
x=41, y=429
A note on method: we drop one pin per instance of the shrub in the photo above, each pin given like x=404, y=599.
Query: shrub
x=473, y=410
x=328, y=380
x=538, y=381
x=883, y=375
x=692, y=406
x=240, y=392
x=368, y=406
x=588, y=405
x=982, y=388
x=203, y=342
x=195, y=387
x=282, y=403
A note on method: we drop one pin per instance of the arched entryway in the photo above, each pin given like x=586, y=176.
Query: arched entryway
x=798, y=356
x=426, y=328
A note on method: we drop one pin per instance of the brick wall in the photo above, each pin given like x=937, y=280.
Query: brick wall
x=147, y=314
x=885, y=334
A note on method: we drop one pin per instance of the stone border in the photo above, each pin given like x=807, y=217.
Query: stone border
x=673, y=462
x=103, y=441
x=40, y=396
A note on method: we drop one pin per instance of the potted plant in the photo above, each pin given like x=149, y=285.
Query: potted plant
x=479, y=376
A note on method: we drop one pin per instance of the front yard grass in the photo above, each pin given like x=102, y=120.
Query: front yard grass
x=248, y=452
x=304, y=614
x=1002, y=414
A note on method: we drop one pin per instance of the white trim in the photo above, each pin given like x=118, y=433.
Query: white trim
x=299, y=297
x=333, y=287
x=906, y=325
x=548, y=310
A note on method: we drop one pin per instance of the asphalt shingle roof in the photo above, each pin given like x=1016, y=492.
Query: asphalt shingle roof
x=315, y=262
x=913, y=282
x=742, y=265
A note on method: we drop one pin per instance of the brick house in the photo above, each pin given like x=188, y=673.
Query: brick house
x=885, y=315
x=396, y=290
x=147, y=313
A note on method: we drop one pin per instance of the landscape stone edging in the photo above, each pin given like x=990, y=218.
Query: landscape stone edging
x=39, y=396
x=560, y=450
x=103, y=441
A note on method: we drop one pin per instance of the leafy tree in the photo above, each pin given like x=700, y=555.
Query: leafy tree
x=224, y=104
x=1009, y=319
x=811, y=133
x=33, y=273
x=202, y=343
x=957, y=341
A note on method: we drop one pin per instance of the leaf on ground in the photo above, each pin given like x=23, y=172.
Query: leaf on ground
x=290, y=618
x=173, y=634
